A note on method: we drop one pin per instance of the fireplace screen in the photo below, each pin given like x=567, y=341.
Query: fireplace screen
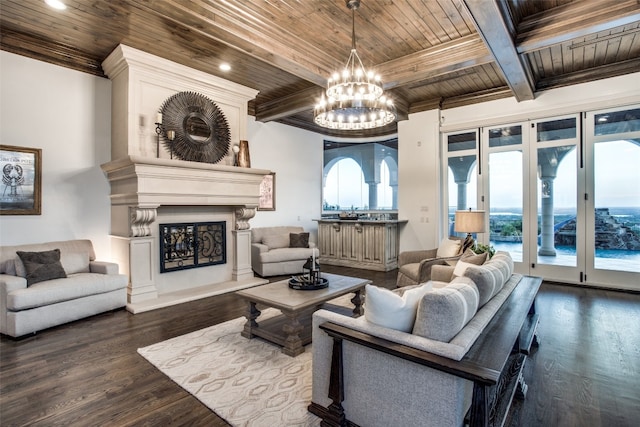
x=191, y=245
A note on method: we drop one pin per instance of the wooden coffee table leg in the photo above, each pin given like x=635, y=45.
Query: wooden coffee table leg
x=292, y=329
x=357, y=301
x=251, y=314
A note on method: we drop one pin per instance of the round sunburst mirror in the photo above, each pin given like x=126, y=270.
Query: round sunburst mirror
x=201, y=132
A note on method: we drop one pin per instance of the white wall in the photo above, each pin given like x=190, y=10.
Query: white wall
x=295, y=155
x=418, y=183
x=67, y=114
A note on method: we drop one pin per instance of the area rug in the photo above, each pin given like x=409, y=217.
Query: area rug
x=246, y=382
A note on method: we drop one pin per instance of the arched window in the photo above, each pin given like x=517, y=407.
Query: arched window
x=345, y=197
x=360, y=176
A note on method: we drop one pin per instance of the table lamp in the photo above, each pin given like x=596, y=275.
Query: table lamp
x=469, y=222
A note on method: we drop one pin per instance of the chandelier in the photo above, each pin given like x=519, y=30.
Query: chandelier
x=354, y=98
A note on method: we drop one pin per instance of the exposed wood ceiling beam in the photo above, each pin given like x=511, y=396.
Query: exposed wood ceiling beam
x=491, y=26
x=458, y=54
x=574, y=20
x=452, y=56
x=288, y=105
x=457, y=101
x=45, y=50
x=601, y=72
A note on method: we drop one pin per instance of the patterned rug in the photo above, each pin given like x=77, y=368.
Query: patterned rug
x=246, y=382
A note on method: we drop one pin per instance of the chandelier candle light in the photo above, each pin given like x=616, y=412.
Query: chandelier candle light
x=354, y=98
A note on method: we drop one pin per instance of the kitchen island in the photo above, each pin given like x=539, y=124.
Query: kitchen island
x=370, y=244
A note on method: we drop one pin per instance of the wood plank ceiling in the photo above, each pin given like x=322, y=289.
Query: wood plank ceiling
x=430, y=53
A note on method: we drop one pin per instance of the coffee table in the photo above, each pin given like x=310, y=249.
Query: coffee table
x=292, y=329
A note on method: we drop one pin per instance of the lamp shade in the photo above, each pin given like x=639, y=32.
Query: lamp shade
x=470, y=221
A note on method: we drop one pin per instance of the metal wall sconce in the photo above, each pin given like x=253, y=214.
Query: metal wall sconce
x=160, y=130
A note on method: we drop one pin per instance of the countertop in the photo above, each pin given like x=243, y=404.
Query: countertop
x=363, y=221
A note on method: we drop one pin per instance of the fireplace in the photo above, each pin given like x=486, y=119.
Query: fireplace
x=192, y=245
x=147, y=192
x=150, y=188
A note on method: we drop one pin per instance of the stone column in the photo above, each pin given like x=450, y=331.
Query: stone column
x=242, y=244
x=394, y=196
x=548, y=161
x=373, y=195
x=547, y=241
x=134, y=248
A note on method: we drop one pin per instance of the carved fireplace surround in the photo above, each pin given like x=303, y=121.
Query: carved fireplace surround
x=149, y=188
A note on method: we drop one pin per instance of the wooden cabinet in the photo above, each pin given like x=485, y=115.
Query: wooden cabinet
x=371, y=245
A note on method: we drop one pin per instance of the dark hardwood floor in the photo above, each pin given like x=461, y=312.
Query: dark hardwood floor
x=586, y=371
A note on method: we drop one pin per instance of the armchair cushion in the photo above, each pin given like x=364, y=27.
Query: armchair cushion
x=298, y=240
x=387, y=308
x=443, y=312
x=275, y=241
x=41, y=266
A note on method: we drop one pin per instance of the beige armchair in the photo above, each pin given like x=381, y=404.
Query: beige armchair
x=414, y=267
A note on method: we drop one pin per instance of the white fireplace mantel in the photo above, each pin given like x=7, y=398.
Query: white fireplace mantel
x=153, y=182
x=141, y=185
x=149, y=187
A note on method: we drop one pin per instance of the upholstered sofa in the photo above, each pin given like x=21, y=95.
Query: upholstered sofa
x=280, y=250
x=58, y=282
x=373, y=374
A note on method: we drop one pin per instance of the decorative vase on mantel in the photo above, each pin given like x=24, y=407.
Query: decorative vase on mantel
x=244, y=161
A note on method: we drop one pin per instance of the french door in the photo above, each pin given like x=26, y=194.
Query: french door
x=556, y=240
x=612, y=197
x=562, y=194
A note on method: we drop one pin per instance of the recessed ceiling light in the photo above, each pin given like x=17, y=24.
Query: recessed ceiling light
x=56, y=4
x=225, y=67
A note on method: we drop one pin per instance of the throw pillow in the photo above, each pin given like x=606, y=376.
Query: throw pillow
x=448, y=248
x=298, y=240
x=391, y=310
x=275, y=241
x=461, y=267
x=41, y=266
x=444, y=312
x=473, y=258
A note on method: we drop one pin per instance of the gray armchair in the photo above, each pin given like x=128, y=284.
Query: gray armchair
x=414, y=267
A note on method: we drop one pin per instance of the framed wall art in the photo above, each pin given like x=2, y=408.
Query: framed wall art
x=21, y=190
x=267, y=200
